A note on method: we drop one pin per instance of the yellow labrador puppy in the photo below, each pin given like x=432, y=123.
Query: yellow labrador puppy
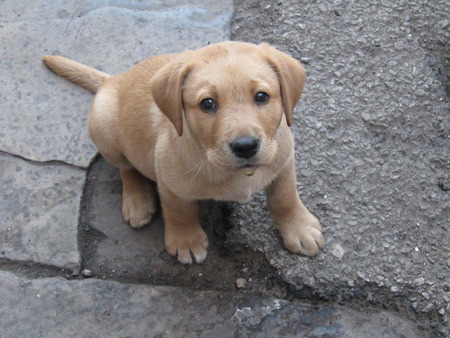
x=206, y=124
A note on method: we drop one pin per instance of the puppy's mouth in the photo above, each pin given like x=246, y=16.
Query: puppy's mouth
x=248, y=169
x=248, y=166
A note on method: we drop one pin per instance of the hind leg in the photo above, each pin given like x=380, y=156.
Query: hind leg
x=103, y=126
x=139, y=197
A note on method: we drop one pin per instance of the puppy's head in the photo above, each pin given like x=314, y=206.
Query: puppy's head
x=233, y=96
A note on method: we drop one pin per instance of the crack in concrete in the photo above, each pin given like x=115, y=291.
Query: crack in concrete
x=45, y=163
x=33, y=270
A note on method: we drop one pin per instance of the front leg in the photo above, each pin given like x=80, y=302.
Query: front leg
x=183, y=234
x=300, y=230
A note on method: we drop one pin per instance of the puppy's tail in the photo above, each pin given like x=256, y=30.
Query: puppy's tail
x=85, y=76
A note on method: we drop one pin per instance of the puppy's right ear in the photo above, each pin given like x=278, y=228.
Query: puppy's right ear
x=166, y=87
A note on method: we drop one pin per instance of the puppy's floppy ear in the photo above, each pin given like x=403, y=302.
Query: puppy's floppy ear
x=166, y=87
x=291, y=75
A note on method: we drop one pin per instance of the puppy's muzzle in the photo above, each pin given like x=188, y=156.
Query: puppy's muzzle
x=245, y=147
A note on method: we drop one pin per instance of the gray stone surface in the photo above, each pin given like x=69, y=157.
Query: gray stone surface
x=372, y=146
x=44, y=117
x=53, y=307
x=119, y=247
x=39, y=212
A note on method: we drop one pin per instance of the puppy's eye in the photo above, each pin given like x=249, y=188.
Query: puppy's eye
x=261, y=97
x=208, y=105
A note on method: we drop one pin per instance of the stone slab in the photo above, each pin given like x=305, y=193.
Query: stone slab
x=44, y=117
x=39, y=212
x=52, y=307
x=119, y=247
x=372, y=147
x=40, y=10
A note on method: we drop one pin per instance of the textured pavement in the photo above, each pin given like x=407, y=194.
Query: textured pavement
x=372, y=133
x=372, y=150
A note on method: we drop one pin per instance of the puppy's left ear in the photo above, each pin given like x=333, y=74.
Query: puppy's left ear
x=291, y=75
x=166, y=87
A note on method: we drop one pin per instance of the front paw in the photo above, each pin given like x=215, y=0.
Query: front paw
x=138, y=208
x=182, y=241
x=303, y=235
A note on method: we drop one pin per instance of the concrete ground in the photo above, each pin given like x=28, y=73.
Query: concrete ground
x=372, y=161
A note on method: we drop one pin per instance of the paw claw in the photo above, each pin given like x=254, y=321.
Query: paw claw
x=188, y=245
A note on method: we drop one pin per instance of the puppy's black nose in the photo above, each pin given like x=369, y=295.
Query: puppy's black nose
x=245, y=146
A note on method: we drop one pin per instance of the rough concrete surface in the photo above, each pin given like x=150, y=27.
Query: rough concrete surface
x=372, y=146
x=372, y=155
x=52, y=307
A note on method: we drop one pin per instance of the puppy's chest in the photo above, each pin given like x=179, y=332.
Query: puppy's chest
x=239, y=188
x=236, y=192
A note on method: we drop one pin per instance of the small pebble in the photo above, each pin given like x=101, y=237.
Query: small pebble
x=241, y=283
x=394, y=288
x=428, y=308
x=86, y=273
x=419, y=281
x=305, y=60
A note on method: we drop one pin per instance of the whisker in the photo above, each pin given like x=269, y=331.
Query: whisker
x=198, y=164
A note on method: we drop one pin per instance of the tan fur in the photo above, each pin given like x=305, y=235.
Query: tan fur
x=148, y=122
x=86, y=77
